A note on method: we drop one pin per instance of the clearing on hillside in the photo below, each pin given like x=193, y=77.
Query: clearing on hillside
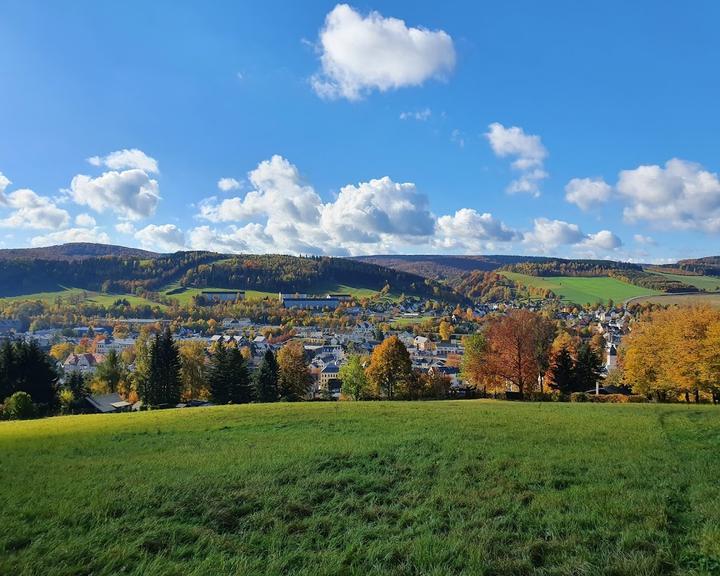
x=455, y=487
x=583, y=290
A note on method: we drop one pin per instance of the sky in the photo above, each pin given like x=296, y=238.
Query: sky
x=548, y=128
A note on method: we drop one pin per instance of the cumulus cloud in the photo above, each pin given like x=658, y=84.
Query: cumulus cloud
x=468, y=229
x=644, y=240
x=4, y=183
x=161, y=237
x=126, y=159
x=587, y=192
x=72, y=235
x=548, y=235
x=85, y=221
x=364, y=212
x=228, y=184
x=419, y=115
x=528, y=155
x=131, y=194
x=679, y=195
x=249, y=238
x=359, y=54
x=33, y=211
x=125, y=228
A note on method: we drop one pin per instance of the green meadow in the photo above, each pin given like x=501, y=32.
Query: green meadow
x=709, y=283
x=583, y=290
x=88, y=296
x=437, y=488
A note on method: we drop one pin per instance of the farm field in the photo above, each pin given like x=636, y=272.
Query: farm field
x=681, y=299
x=455, y=487
x=90, y=296
x=709, y=283
x=579, y=290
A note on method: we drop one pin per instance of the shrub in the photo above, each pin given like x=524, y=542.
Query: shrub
x=579, y=397
x=610, y=398
x=557, y=396
x=19, y=407
x=637, y=398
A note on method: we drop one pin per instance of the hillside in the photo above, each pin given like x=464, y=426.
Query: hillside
x=132, y=274
x=454, y=487
x=74, y=251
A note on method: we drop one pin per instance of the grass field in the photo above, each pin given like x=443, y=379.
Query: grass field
x=579, y=290
x=437, y=488
x=681, y=299
x=709, y=283
x=97, y=297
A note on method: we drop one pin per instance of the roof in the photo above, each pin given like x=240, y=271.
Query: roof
x=107, y=402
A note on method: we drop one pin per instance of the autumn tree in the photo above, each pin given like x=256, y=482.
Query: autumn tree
x=193, y=369
x=294, y=378
x=445, y=330
x=61, y=351
x=514, y=347
x=352, y=376
x=111, y=372
x=390, y=369
x=474, y=365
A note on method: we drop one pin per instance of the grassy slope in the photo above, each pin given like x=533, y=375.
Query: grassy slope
x=65, y=293
x=709, y=283
x=682, y=299
x=474, y=487
x=581, y=290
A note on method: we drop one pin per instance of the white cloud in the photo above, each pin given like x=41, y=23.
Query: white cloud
x=94, y=235
x=680, y=195
x=85, y=221
x=360, y=54
x=228, y=184
x=468, y=229
x=250, y=238
x=457, y=137
x=127, y=159
x=125, y=228
x=365, y=212
x=131, y=194
x=528, y=152
x=419, y=115
x=161, y=238
x=4, y=183
x=644, y=240
x=586, y=192
x=605, y=240
x=33, y=211
x=548, y=235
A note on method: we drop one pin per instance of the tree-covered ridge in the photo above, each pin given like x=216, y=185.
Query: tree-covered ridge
x=107, y=273
x=709, y=266
x=274, y=272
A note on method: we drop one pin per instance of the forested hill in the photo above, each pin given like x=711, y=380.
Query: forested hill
x=74, y=251
x=126, y=272
x=447, y=267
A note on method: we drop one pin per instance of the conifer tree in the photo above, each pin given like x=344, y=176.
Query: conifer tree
x=218, y=375
x=562, y=372
x=239, y=378
x=266, y=379
x=588, y=369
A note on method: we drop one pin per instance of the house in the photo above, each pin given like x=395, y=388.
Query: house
x=309, y=302
x=116, y=344
x=422, y=343
x=84, y=363
x=108, y=403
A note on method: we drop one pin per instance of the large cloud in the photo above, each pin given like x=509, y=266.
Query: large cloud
x=468, y=229
x=548, y=235
x=127, y=159
x=528, y=155
x=679, y=195
x=131, y=194
x=359, y=54
x=93, y=234
x=587, y=192
x=4, y=183
x=365, y=212
x=33, y=211
x=161, y=237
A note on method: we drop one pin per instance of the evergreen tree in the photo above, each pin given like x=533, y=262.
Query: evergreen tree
x=8, y=370
x=164, y=384
x=266, y=379
x=218, y=375
x=588, y=369
x=239, y=378
x=36, y=374
x=111, y=371
x=562, y=372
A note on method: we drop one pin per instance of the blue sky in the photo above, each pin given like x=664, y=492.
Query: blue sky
x=563, y=128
